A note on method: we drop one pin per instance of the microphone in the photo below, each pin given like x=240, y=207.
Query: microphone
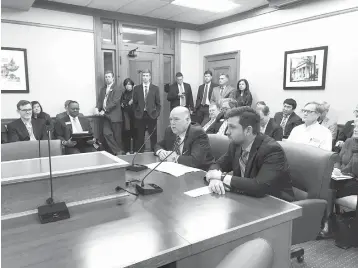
x=138, y=167
x=52, y=211
x=151, y=188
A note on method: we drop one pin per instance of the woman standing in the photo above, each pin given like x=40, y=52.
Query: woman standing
x=128, y=115
x=242, y=95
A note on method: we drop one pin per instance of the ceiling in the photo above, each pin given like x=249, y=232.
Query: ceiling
x=162, y=9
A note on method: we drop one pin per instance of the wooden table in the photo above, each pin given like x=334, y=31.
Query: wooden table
x=150, y=231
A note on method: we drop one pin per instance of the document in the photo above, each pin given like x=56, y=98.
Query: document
x=199, y=191
x=174, y=169
x=341, y=177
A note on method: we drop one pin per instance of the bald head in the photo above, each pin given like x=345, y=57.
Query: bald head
x=179, y=120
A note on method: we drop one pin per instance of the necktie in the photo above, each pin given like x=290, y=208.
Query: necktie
x=176, y=146
x=182, y=98
x=203, y=101
x=145, y=97
x=221, y=91
x=284, y=122
x=243, y=161
x=31, y=132
x=77, y=126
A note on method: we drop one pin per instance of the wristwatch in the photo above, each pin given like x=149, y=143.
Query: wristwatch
x=63, y=143
x=223, y=176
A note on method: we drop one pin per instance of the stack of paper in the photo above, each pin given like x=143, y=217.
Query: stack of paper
x=341, y=177
x=174, y=169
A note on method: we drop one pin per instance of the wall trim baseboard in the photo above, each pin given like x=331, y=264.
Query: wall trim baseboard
x=36, y=24
x=190, y=42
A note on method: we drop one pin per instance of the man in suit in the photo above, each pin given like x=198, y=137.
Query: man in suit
x=146, y=104
x=288, y=119
x=180, y=94
x=203, y=98
x=223, y=90
x=72, y=123
x=26, y=128
x=65, y=113
x=347, y=131
x=258, y=162
x=267, y=124
x=189, y=142
x=214, y=111
x=109, y=109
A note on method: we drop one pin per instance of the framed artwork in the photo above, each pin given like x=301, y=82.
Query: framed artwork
x=14, y=74
x=305, y=68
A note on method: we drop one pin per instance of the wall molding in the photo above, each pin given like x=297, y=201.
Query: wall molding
x=190, y=42
x=281, y=25
x=36, y=24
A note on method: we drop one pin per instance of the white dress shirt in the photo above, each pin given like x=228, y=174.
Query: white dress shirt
x=222, y=128
x=76, y=125
x=109, y=89
x=145, y=100
x=208, y=124
x=315, y=135
x=30, y=129
x=207, y=101
x=182, y=90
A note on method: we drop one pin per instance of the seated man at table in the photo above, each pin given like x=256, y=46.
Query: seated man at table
x=63, y=114
x=26, y=128
x=189, y=142
x=72, y=123
x=258, y=162
x=220, y=126
x=212, y=124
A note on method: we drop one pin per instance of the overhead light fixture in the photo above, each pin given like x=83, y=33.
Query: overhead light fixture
x=125, y=40
x=140, y=42
x=215, y=6
x=138, y=31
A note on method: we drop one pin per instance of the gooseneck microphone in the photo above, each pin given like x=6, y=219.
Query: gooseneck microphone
x=138, y=167
x=151, y=188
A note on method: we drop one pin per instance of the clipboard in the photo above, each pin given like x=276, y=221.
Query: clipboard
x=81, y=137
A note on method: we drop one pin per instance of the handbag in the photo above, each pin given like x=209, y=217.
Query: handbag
x=346, y=234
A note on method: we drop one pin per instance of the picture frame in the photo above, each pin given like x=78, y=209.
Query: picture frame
x=14, y=70
x=305, y=69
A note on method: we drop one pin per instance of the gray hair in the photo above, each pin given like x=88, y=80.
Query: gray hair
x=319, y=108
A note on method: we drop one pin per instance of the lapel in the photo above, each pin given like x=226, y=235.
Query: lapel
x=186, y=145
x=291, y=118
x=269, y=127
x=34, y=129
x=68, y=127
x=83, y=125
x=210, y=90
x=254, y=148
x=279, y=117
x=141, y=93
x=23, y=129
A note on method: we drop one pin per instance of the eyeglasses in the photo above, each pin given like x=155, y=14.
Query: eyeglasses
x=307, y=111
x=26, y=110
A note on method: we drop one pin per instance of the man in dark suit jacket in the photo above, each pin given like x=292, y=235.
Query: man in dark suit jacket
x=258, y=162
x=203, y=98
x=72, y=123
x=26, y=128
x=288, y=119
x=189, y=142
x=109, y=108
x=267, y=124
x=180, y=94
x=146, y=104
x=347, y=130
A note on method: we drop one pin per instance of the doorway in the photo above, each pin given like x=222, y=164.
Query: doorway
x=225, y=63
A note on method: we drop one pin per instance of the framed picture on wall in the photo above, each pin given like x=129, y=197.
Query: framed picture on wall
x=14, y=74
x=305, y=68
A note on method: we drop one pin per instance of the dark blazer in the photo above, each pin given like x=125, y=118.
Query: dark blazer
x=175, y=99
x=274, y=130
x=347, y=131
x=196, y=148
x=17, y=130
x=214, y=128
x=293, y=121
x=267, y=170
x=113, y=106
x=63, y=127
x=153, y=101
x=200, y=94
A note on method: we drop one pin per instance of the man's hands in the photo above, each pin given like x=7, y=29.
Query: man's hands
x=215, y=184
x=101, y=113
x=162, y=154
x=91, y=142
x=69, y=143
x=339, y=144
x=173, y=157
x=213, y=174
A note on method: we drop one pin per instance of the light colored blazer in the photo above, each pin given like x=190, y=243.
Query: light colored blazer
x=216, y=97
x=331, y=125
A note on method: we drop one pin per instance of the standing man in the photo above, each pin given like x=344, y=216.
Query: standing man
x=288, y=119
x=110, y=110
x=267, y=124
x=146, y=104
x=223, y=91
x=203, y=98
x=180, y=94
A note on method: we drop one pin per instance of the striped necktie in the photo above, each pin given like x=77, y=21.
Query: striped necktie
x=244, y=158
x=176, y=146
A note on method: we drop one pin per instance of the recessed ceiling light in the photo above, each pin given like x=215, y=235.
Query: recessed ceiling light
x=207, y=5
x=138, y=31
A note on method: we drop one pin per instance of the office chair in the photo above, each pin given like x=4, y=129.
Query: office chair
x=256, y=253
x=219, y=144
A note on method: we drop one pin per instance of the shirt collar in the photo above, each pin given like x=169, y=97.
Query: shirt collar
x=148, y=85
x=248, y=148
x=110, y=86
x=26, y=123
x=72, y=118
x=311, y=126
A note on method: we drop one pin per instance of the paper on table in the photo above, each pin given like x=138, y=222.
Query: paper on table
x=341, y=177
x=199, y=191
x=174, y=169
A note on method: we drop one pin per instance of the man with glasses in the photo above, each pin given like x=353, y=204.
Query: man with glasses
x=311, y=132
x=26, y=128
x=347, y=131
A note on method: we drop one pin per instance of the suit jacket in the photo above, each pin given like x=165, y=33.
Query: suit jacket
x=200, y=94
x=214, y=128
x=175, y=99
x=63, y=114
x=293, y=121
x=216, y=97
x=274, y=130
x=267, y=170
x=63, y=127
x=153, y=101
x=196, y=149
x=113, y=107
x=347, y=131
x=17, y=130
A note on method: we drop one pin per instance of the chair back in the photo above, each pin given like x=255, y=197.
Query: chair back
x=29, y=149
x=219, y=144
x=310, y=169
x=256, y=253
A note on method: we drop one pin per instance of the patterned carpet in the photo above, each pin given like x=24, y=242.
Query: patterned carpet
x=324, y=254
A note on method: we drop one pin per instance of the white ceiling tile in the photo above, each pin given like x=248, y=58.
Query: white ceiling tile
x=140, y=7
x=72, y=2
x=111, y=5
x=193, y=16
x=166, y=12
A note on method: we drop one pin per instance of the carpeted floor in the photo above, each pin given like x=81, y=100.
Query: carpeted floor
x=324, y=254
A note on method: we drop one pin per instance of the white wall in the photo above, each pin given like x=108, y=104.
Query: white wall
x=262, y=53
x=61, y=62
